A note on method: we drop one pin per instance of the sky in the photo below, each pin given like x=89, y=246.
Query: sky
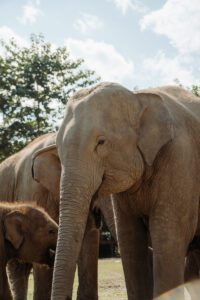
x=135, y=43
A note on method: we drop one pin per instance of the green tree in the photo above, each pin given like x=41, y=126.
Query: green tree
x=35, y=84
x=196, y=90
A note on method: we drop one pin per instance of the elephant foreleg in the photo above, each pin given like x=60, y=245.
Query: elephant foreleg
x=42, y=282
x=136, y=256
x=88, y=262
x=18, y=274
x=169, y=250
x=5, y=293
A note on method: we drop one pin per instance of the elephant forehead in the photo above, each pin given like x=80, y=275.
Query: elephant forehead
x=103, y=94
x=38, y=215
x=101, y=108
x=98, y=121
x=104, y=88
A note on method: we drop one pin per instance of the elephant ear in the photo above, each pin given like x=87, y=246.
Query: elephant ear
x=46, y=168
x=155, y=128
x=13, y=226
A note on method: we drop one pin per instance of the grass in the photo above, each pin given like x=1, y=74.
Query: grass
x=112, y=285
x=111, y=281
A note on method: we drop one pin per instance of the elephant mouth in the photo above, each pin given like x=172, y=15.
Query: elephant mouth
x=112, y=184
x=49, y=257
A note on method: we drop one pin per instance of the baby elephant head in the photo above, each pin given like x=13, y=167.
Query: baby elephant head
x=32, y=234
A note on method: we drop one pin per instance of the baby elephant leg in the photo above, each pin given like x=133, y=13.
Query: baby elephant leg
x=5, y=293
x=42, y=282
x=18, y=274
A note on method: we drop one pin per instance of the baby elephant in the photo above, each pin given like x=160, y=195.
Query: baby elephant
x=27, y=233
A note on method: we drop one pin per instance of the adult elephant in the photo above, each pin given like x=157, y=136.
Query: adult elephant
x=144, y=148
x=33, y=174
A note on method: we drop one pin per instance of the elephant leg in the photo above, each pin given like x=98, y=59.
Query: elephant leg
x=18, y=274
x=5, y=293
x=42, y=282
x=168, y=270
x=169, y=249
x=135, y=254
x=88, y=262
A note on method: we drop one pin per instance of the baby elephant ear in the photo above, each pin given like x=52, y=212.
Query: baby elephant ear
x=155, y=126
x=13, y=224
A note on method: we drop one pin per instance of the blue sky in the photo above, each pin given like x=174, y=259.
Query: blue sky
x=136, y=43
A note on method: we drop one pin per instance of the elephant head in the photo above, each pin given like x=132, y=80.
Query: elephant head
x=31, y=232
x=108, y=137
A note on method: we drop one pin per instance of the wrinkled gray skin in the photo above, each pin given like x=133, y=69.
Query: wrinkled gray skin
x=143, y=148
x=34, y=174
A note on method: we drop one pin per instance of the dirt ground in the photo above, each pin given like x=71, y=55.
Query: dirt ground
x=112, y=285
x=111, y=281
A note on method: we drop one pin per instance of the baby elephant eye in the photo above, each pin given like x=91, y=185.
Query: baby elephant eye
x=101, y=142
x=52, y=231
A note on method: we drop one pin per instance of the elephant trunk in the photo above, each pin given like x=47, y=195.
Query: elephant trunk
x=75, y=201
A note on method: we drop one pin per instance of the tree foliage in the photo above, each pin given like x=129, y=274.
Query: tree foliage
x=196, y=90
x=35, y=83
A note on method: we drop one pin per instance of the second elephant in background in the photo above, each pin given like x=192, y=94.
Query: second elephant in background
x=34, y=173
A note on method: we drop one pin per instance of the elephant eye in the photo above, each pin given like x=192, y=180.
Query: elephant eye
x=102, y=146
x=52, y=231
x=101, y=142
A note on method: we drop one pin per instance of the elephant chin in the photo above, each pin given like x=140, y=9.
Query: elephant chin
x=50, y=257
x=47, y=258
x=114, y=186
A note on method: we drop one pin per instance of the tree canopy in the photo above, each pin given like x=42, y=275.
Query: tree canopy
x=196, y=90
x=35, y=83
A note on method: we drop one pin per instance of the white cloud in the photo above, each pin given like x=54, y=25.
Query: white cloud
x=164, y=70
x=179, y=20
x=7, y=33
x=31, y=12
x=125, y=5
x=88, y=22
x=101, y=57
